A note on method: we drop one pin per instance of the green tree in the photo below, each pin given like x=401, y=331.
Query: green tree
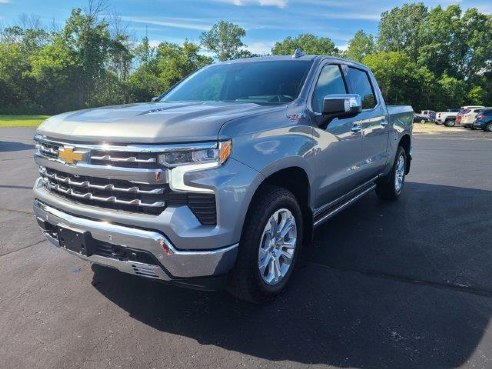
x=452, y=92
x=476, y=95
x=442, y=41
x=164, y=67
x=308, y=43
x=19, y=90
x=476, y=55
x=175, y=62
x=224, y=40
x=89, y=41
x=360, y=46
x=401, y=80
x=400, y=29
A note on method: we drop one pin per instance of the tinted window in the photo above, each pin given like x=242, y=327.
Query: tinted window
x=361, y=85
x=274, y=82
x=330, y=82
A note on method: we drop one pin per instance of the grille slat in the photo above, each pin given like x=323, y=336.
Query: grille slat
x=130, y=159
x=124, y=159
x=104, y=187
x=50, y=150
x=121, y=195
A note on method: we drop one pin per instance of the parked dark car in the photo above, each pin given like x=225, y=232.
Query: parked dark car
x=419, y=118
x=484, y=120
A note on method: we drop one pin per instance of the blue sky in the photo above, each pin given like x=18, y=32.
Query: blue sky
x=265, y=21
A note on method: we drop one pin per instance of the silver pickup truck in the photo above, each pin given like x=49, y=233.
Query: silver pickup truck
x=224, y=177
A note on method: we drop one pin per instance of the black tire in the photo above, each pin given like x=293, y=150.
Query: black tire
x=245, y=281
x=386, y=188
x=449, y=123
x=488, y=127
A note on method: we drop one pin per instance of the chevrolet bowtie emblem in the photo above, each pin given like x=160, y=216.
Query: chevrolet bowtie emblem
x=69, y=156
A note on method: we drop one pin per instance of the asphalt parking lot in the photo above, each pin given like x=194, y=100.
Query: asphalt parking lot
x=400, y=285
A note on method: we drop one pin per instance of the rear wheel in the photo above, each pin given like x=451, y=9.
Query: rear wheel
x=269, y=246
x=449, y=123
x=391, y=186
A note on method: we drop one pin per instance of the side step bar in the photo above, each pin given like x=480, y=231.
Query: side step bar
x=332, y=211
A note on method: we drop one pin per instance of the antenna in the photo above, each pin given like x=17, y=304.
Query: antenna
x=298, y=53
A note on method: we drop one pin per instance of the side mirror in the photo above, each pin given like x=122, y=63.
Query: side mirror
x=154, y=99
x=342, y=105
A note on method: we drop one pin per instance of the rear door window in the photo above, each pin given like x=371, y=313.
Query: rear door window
x=361, y=84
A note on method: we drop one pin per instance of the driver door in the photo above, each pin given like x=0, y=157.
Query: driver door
x=339, y=142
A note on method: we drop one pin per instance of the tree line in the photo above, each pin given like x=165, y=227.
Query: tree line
x=430, y=58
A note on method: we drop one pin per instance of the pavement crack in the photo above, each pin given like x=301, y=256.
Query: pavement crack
x=22, y=248
x=19, y=158
x=17, y=211
x=17, y=187
x=404, y=279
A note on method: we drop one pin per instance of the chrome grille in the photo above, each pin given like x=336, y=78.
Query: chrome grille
x=49, y=149
x=120, y=177
x=115, y=194
x=116, y=156
x=124, y=159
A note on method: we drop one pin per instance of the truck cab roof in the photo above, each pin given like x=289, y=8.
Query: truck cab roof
x=319, y=58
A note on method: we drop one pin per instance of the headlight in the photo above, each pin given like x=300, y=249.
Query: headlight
x=216, y=155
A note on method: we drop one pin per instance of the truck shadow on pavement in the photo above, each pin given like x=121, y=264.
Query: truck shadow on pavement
x=8, y=146
x=384, y=285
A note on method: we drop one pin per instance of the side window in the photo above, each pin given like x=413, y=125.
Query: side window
x=330, y=82
x=362, y=85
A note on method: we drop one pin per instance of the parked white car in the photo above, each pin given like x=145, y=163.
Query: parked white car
x=467, y=115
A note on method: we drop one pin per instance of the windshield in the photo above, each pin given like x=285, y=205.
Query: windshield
x=270, y=82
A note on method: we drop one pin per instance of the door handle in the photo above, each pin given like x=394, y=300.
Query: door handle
x=384, y=123
x=356, y=128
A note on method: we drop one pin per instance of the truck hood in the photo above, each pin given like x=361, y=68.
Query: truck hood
x=148, y=122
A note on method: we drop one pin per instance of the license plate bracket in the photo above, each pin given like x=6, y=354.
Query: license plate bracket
x=76, y=241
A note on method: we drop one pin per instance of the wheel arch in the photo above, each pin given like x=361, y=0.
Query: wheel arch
x=406, y=143
x=296, y=180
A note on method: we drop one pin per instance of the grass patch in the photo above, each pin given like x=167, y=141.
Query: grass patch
x=21, y=120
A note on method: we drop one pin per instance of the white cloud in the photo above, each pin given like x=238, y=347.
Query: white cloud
x=183, y=23
x=4, y=1
x=343, y=47
x=277, y=3
x=154, y=43
x=260, y=47
x=487, y=9
x=354, y=15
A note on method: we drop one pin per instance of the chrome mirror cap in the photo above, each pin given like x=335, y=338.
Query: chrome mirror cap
x=340, y=105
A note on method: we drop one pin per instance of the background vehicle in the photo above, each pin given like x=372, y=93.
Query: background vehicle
x=484, y=120
x=447, y=117
x=467, y=115
x=430, y=115
x=224, y=176
x=419, y=118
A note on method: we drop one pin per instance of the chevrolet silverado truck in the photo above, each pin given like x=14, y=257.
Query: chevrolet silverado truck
x=224, y=177
x=448, y=118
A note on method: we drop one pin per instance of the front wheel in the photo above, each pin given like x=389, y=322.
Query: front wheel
x=269, y=246
x=488, y=127
x=449, y=123
x=391, y=186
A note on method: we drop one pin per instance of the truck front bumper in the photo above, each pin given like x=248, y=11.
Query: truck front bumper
x=142, y=252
